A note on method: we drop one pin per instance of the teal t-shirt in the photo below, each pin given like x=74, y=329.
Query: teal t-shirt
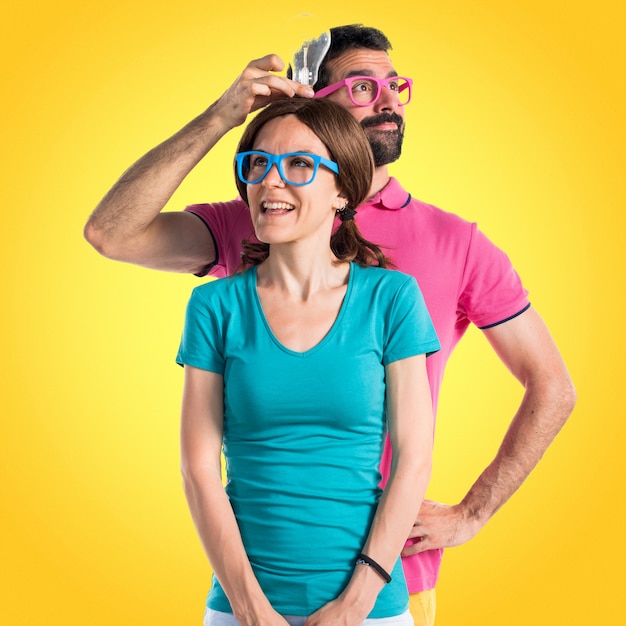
x=304, y=431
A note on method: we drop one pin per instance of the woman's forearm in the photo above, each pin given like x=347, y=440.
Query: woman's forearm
x=400, y=501
x=201, y=444
x=387, y=535
x=409, y=410
x=411, y=432
x=219, y=533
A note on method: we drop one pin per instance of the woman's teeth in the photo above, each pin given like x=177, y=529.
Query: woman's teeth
x=277, y=206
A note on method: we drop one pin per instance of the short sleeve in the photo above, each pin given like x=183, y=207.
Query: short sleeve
x=229, y=223
x=492, y=291
x=409, y=329
x=202, y=343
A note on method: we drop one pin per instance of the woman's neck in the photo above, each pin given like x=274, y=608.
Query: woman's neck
x=302, y=270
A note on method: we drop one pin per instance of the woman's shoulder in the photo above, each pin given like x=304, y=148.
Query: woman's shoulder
x=382, y=277
x=222, y=288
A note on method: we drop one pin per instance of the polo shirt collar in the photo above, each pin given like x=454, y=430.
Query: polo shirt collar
x=391, y=196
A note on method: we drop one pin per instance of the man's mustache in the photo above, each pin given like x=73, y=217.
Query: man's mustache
x=382, y=118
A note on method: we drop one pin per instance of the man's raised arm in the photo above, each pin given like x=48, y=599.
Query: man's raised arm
x=128, y=224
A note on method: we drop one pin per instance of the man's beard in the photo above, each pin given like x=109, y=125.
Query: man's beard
x=386, y=144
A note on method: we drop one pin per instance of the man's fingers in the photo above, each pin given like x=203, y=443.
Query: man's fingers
x=259, y=82
x=415, y=547
x=268, y=63
x=416, y=533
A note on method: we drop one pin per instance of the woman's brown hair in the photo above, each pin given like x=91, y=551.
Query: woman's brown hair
x=348, y=146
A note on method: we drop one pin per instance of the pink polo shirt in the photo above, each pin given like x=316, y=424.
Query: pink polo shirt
x=463, y=276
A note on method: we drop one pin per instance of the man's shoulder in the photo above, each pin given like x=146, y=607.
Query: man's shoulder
x=395, y=196
x=236, y=205
x=443, y=220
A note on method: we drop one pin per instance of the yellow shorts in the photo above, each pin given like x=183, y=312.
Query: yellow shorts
x=422, y=606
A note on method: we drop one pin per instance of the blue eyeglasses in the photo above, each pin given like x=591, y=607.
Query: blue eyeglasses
x=295, y=168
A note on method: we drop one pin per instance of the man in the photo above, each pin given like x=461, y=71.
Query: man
x=464, y=277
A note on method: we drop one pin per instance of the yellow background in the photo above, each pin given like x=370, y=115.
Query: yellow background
x=517, y=122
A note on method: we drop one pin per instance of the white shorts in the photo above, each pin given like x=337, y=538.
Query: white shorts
x=217, y=618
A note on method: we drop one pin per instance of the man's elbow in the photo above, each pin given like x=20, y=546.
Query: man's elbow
x=93, y=235
x=562, y=396
x=103, y=242
x=569, y=395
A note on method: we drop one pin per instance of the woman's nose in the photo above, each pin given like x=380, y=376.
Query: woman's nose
x=273, y=178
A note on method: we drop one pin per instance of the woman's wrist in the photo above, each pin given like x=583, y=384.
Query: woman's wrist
x=362, y=590
x=253, y=611
x=364, y=559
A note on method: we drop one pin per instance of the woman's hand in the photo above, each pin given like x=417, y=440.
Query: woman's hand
x=337, y=613
x=355, y=602
x=265, y=616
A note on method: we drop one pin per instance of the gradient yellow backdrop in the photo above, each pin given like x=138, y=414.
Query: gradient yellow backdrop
x=517, y=122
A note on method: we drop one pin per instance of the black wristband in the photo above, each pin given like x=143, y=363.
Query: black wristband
x=363, y=559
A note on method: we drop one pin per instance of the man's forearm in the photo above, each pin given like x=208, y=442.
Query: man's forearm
x=128, y=224
x=525, y=346
x=540, y=417
x=120, y=227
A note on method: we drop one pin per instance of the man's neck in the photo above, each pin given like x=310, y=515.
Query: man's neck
x=380, y=180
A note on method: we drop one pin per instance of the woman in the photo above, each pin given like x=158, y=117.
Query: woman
x=297, y=366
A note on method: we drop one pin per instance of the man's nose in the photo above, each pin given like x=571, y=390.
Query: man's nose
x=387, y=99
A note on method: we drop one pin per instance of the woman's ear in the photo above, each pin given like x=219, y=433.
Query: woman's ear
x=340, y=202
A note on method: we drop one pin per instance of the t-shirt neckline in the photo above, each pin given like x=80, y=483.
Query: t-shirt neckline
x=252, y=283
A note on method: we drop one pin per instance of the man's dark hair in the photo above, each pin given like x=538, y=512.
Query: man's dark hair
x=349, y=37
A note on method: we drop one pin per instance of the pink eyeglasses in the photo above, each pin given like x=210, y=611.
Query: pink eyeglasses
x=366, y=90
